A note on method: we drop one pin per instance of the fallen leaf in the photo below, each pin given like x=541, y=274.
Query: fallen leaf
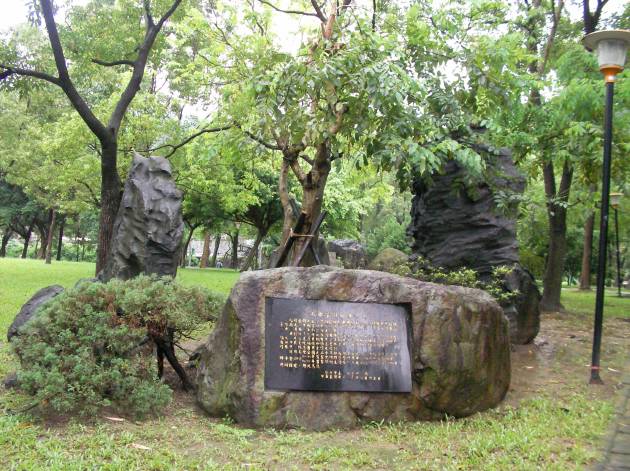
x=115, y=419
x=140, y=447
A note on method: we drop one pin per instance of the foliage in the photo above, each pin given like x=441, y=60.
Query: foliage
x=420, y=269
x=87, y=348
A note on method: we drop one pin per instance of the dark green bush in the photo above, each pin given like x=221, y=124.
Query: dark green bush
x=90, y=346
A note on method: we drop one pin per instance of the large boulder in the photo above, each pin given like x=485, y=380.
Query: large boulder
x=29, y=309
x=350, y=252
x=460, y=352
x=388, y=259
x=457, y=225
x=149, y=226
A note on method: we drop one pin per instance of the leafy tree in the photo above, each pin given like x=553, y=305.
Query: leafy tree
x=347, y=92
x=108, y=51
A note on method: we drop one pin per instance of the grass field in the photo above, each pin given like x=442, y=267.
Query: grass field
x=550, y=420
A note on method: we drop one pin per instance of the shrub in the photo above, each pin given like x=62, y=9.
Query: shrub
x=92, y=346
x=421, y=269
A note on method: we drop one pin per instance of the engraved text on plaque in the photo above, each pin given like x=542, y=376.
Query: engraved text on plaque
x=320, y=345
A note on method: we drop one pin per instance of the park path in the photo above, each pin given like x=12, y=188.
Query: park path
x=617, y=448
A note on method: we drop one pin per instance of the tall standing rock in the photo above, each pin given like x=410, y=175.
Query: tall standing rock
x=455, y=225
x=149, y=226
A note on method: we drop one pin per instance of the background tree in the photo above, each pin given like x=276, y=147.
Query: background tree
x=135, y=55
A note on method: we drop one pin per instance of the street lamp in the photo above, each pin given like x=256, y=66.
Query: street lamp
x=611, y=47
x=615, y=199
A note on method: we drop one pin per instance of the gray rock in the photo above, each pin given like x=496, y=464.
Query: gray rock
x=29, y=309
x=11, y=381
x=149, y=227
x=455, y=226
x=460, y=352
x=522, y=311
x=351, y=252
x=388, y=259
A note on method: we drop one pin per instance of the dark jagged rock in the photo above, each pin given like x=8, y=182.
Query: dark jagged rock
x=455, y=225
x=522, y=311
x=11, y=381
x=460, y=352
x=350, y=252
x=29, y=309
x=149, y=227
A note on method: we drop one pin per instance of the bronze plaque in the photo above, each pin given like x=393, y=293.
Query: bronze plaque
x=319, y=345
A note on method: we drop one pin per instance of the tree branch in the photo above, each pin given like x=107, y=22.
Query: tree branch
x=291, y=12
x=260, y=140
x=112, y=64
x=297, y=169
x=318, y=11
x=65, y=82
x=9, y=70
x=95, y=200
x=138, y=67
x=175, y=147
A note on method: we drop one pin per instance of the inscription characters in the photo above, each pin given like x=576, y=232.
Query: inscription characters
x=337, y=346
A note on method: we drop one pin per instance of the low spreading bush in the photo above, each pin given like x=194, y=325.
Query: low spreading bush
x=93, y=345
x=420, y=269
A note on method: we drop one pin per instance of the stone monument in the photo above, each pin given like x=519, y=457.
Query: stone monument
x=325, y=347
x=149, y=226
x=456, y=225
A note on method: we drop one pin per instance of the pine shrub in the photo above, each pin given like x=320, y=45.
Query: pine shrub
x=90, y=347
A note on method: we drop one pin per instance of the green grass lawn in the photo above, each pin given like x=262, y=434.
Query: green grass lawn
x=546, y=428
x=20, y=279
x=583, y=302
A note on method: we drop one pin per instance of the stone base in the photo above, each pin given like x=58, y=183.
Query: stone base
x=460, y=352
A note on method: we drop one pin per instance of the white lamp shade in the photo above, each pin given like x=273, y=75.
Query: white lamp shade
x=611, y=52
x=615, y=199
x=611, y=46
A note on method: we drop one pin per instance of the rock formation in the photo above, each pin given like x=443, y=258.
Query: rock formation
x=388, y=259
x=29, y=309
x=350, y=252
x=460, y=352
x=456, y=225
x=149, y=227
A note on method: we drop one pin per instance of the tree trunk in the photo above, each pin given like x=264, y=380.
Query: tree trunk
x=185, y=251
x=110, y=200
x=283, y=191
x=62, y=223
x=215, y=253
x=557, y=215
x=51, y=230
x=587, y=252
x=43, y=237
x=27, y=240
x=205, y=255
x=235, y=250
x=313, y=186
x=76, y=236
x=5, y=241
x=254, y=250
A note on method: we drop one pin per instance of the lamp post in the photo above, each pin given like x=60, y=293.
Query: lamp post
x=611, y=47
x=615, y=199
